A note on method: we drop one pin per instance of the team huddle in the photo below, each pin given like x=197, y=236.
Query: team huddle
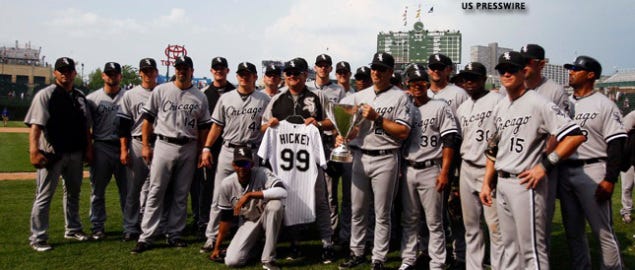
x=433, y=157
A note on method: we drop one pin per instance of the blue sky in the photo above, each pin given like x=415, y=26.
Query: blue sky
x=94, y=32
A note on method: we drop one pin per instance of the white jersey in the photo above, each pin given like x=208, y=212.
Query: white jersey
x=392, y=104
x=240, y=118
x=600, y=121
x=332, y=91
x=477, y=126
x=629, y=121
x=131, y=107
x=231, y=191
x=430, y=122
x=295, y=151
x=524, y=125
x=103, y=110
x=452, y=94
x=178, y=113
x=552, y=91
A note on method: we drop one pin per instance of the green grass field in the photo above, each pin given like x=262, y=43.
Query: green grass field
x=14, y=152
x=16, y=124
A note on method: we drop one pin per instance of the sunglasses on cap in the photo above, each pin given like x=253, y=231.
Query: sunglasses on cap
x=436, y=67
x=65, y=70
x=218, y=67
x=378, y=68
x=508, y=69
x=575, y=68
x=290, y=73
x=243, y=163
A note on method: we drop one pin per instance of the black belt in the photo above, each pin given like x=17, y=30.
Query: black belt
x=110, y=142
x=139, y=138
x=251, y=145
x=504, y=174
x=581, y=162
x=423, y=164
x=178, y=141
x=373, y=152
x=473, y=164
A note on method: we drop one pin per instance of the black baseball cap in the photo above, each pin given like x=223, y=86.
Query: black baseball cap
x=343, y=65
x=474, y=68
x=323, y=58
x=297, y=63
x=416, y=72
x=219, y=61
x=273, y=69
x=384, y=60
x=533, y=51
x=184, y=60
x=147, y=63
x=395, y=78
x=439, y=59
x=587, y=63
x=246, y=66
x=362, y=72
x=111, y=67
x=243, y=153
x=64, y=62
x=511, y=58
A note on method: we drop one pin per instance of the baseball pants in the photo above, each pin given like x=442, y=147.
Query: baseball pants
x=471, y=182
x=522, y=215
x=138, y=172
x=172, y=165
x=250, y=233
x=628, y=179
x=418, y=192
x=577, y=200
x=70, y=167
x=376, y=175
x=106, y=163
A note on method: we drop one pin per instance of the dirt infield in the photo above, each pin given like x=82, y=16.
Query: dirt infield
x=24, y=176
x=14, y=129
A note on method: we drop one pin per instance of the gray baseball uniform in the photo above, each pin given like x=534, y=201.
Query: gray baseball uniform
x=258, y=217
x=131, y=106
x=524, y=125
x=477, y=126
x=178, y=115
x=240, y=117
x=601, y=122
x=452, y=94
x=106, y=149
x=423, y=157
x=63, y=118
x=376, y=168
x=628, y=178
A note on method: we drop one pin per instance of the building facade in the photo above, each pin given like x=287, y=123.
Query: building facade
x=24, y=66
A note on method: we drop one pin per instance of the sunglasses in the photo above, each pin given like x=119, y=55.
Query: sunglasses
x=293, y=73
x=218, y=68
x=436, y=67
x=575, y=68
x=65, y=70
x=379, y=68
x=323, y=65
x=272, y=74
x=508, y=69
x=243, y=163
x=469, y=77
x=418, y=86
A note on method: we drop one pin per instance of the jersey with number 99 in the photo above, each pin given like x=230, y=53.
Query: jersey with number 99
x=295, y=151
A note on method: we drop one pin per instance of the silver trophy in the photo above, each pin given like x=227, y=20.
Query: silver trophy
x=344, y=118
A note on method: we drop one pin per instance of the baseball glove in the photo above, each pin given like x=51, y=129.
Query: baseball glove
x=492, y=146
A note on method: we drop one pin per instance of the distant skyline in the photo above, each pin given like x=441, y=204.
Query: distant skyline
x=125, y=31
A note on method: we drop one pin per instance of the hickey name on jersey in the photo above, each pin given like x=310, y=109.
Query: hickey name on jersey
x=296, y=138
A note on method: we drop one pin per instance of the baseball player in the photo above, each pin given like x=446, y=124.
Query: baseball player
x=591, y=172
x=182, y=120
x=104, y=105
x=130, y=122
x=385, y=109
x=628, y=177
x=297, y=101
x=343, y=76
x=237, y=117
x=202, y=185
x=273, y=76
x=362, y=78
x=523, y=120
x=58, y=143
x=477, y=127
x=428, y=153
x=254, y=194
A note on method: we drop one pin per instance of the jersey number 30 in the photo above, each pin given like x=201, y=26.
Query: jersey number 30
x=299, y=160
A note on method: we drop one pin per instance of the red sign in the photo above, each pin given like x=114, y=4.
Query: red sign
x=172, y=52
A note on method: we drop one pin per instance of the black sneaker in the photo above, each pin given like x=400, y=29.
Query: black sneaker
x=405, y=266
x=294, y=254
x=98, y=235
x=140, y=248
x=127, y=237
x=328, y=255
x=270, y=266
x=78, y=235
x=41, y=246
x=352, y=262
x=377, y=265
x=177, y=242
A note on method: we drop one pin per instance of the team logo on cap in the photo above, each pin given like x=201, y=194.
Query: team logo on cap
x=523, y=49
x=323, y=57
x=182, y=58
x=418, y=72
x=65, y=60
x=112, y=65
x=507, y=56
x=244, y=64
x=273, y=66
x=438, y=57
x=148, y=62
x=380, y=57
x=363, y=69
x=292, y=63
x=469, y=66
x=242, y=152
x=218, y=59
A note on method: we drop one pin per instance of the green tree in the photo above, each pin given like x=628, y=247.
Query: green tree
x=129, y=75
x=94, y=80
